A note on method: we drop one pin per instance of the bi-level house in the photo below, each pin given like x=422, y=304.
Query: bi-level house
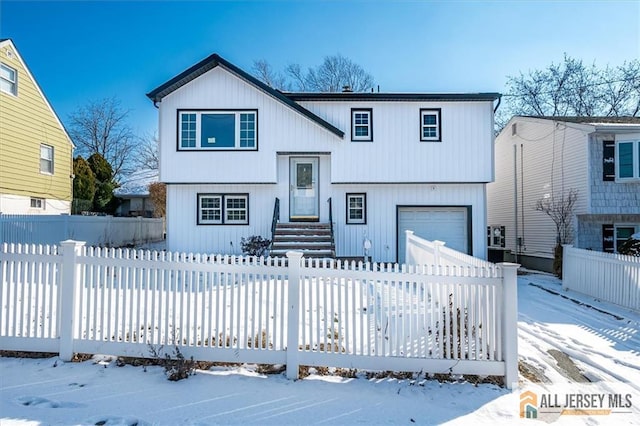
x=238, y=157
x=545, y=158
x=36, y=163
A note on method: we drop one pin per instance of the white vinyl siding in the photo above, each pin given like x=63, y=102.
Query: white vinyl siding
x=183, y=234
x=8, y=80
x=535, y=162
x=281, y=129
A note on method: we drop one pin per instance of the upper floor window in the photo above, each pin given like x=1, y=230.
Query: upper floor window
x=356, y=208
x=218, y=130
x=627, y=160
x=8, y=80
x=46, y=159
x=223, y=209
x=430, y=127
x=362, y=125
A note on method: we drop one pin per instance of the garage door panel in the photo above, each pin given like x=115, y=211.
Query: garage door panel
x=448, y=224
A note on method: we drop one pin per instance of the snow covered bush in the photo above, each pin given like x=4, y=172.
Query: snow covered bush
x=631, y=247
x=254, y=245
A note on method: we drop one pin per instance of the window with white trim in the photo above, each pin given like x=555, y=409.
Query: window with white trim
x=362, y=125
x=38, y=203
x=8, y=80
x=622, y=234
x=627, y=160
x=430, y=127
x=218, y=130
x=223, y=209
x=46, y=159
x=356, y=209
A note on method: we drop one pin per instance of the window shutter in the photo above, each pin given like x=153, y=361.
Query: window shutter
x=609, y=161
x=607, y=238
x=502, y=236
x=488, y=236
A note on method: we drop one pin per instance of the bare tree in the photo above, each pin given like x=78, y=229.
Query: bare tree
x=101, y=127
x=265, y=73
x=574, y=89
x=332, y=75
x=148, y=152
x=560, y=210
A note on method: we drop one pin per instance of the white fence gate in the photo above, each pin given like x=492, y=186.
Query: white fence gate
x=94, y=230
x=294, y=311
x=610, y=277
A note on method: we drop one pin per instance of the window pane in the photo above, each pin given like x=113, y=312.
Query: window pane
x=247, y=130
x=428, y=119
x=362, y=131
x=218, y=130
x=304, y=178
x=356, y=214
x=429, y=132
x=625, y=159
x=188, y=131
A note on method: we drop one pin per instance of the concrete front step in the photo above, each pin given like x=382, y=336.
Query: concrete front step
x=312, y=239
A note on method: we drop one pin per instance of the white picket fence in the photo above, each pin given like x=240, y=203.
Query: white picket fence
x=609, y=277
x=94, y=230
x=291, y=311
x=423, y=252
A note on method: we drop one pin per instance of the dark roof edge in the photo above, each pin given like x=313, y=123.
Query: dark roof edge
x=366, y=96
x=213, y=61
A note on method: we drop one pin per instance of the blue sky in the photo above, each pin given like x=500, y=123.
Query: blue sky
x=82, y=51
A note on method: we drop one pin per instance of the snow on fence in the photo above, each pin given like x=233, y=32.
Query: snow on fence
x=94, y=230
x=291, y=311
x=609, y=277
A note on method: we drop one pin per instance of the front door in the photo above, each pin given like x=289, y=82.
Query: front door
x=303, y=189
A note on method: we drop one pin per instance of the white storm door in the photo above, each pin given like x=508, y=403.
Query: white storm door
x=303, y=189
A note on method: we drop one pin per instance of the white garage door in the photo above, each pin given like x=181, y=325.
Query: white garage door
x=448, y=224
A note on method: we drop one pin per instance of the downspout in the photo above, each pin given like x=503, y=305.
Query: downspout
x=498, y=105
x=515, y=196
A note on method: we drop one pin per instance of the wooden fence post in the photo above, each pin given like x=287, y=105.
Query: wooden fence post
x=293, y=317
x=67, y=306
x=510, y=323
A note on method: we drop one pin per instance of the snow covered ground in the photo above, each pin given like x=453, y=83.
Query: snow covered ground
x=568, y=344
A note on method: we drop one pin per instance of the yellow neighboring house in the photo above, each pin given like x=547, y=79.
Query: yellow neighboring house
x=36, y=153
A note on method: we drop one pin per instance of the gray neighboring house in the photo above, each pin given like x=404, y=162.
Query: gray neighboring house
x=134, y=192
x=543, y=157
